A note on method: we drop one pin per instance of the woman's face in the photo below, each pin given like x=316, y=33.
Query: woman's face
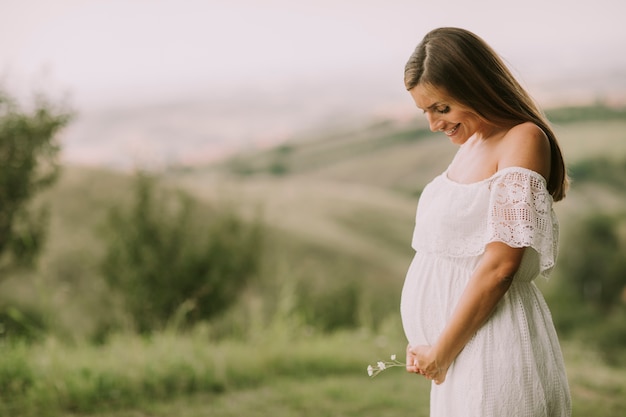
x=445, y=115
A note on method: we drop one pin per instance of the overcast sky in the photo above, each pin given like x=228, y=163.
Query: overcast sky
x=105, y=51
x=183, y=80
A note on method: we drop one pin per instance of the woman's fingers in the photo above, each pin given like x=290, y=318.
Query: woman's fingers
x=440, y=377
x=412, y=365
x=411, y=360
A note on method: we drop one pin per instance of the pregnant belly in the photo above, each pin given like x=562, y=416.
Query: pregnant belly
x=431, y=290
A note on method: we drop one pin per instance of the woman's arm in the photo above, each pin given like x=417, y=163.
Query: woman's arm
x=487, y=285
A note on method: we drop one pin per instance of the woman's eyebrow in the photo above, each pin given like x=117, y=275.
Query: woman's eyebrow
x=432, y=106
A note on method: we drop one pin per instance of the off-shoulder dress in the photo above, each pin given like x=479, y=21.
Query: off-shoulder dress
x=513, y=365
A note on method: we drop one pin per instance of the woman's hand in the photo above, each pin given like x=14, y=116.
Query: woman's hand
x=411, y=361
x=422, y=360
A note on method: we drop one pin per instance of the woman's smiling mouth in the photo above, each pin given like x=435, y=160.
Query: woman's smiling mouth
x=452, y=131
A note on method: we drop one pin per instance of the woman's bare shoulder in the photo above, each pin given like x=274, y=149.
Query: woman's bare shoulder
x=526, y=145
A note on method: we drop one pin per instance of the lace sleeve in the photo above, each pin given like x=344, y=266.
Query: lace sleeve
x=521, y=215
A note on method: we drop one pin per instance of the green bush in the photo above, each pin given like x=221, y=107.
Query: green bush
x=332, y=308
x=16, y=374
x=610, y=336
x=592, y=260
x=21, y=323
x=600, y=170
x=28, y=164
x=175, y=261
x=587, y=300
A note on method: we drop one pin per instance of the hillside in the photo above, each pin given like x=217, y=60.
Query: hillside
x=355, y=193
x=340, y=208
x=373, y=177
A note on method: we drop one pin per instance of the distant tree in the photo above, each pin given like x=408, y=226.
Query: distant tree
x=28, y=164
x=593, y=261
x=171, y=257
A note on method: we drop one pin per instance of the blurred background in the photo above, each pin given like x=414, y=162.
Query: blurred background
x=178, y=82
x=184, y=180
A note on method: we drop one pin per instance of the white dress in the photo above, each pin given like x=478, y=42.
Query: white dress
x=513, y=365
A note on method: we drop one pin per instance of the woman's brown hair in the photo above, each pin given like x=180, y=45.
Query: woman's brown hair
x=470, y=71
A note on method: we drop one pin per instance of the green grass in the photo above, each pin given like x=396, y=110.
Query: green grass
x=276, y=374
x=397, y=395
x=52, y=378
x=595, y=394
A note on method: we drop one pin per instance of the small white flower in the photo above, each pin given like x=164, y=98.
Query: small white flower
x=382, y=365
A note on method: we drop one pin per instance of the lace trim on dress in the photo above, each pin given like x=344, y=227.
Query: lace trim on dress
x=521, y=215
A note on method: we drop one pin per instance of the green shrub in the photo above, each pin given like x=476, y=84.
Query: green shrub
x=20, y=323
x=610, y=337
x=175, y=260
x=28, y=164
x=16, y=374
x=587, y=301
x=278, y=168
x=600, y=170
x=592, y=260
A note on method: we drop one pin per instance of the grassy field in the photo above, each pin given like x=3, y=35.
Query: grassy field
x=174, y=376
x=391, y=394
x=340, y=211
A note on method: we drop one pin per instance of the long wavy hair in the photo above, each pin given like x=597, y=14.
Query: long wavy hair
x=471, y=72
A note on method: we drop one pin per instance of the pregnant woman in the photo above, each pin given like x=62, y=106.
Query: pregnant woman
x=476, y=324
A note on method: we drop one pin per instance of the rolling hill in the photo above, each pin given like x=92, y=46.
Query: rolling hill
x=340, y=208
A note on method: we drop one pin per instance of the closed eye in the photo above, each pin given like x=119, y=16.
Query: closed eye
x=437, y=108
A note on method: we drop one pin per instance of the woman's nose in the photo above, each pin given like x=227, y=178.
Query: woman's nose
x=434, y=123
